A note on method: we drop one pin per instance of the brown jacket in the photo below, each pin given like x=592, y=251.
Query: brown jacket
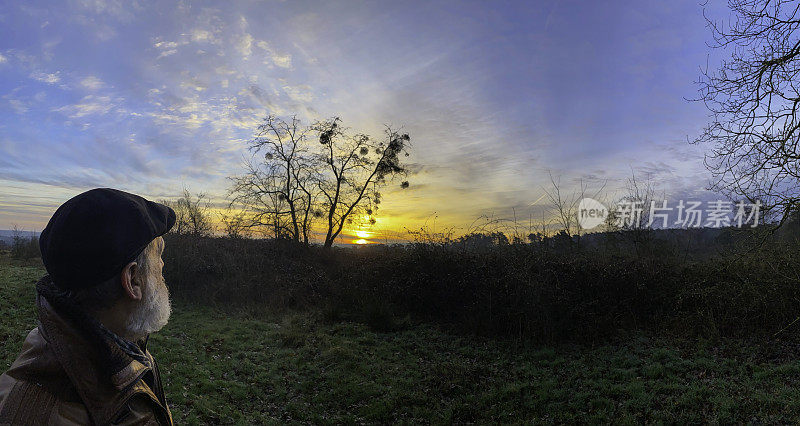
x=59, y=379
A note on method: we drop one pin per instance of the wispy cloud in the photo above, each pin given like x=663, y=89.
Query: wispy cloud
x=166, y=48
x=18, y=103
x=49, y=78
x=283, y=60
x=89, y=105
x=245, y=45
x=92, y=83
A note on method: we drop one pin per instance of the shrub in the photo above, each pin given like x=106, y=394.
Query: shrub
x=534, y=291
x=24, y=247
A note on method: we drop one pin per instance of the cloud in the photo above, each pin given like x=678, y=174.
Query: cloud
x=202, y=36
x=194, y=84
x=92, y=83
x=163, y=45
x=82, y=161
x=167, y=53
x=122, y=10
x=3, y=59
x=245, y=45
x=89, y=105
x=301, y=94
x=48, y=49
x=221, y=115
x=655, y=169
x=283, y=60
x=18, y=106
x=167, y=48
x=52, y=78
x=223, y=70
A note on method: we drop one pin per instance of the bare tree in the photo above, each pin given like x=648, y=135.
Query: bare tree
x=753, y=98
x=640, y=196
x=299, y=174
x=542, y=230
x=234, y=225
x=564, y=206
x=24, y=246
x=191, y=214
x=274, y=188
x=355, y=167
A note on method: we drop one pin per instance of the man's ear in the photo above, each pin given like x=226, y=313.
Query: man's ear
x=132, y=287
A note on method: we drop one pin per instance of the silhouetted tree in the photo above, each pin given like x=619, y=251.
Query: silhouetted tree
x=565, y=206
x=191, y=214
x=354, y=169
x=482, y=240
x=319, y=172
x=274, y=190
x=22, y=246
x=640, y=195
x=234, y=225
x=753, y=98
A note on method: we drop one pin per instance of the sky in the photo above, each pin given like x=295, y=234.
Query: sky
x=152, y=97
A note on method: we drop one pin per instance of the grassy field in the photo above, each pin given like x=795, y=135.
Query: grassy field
x=250, y=369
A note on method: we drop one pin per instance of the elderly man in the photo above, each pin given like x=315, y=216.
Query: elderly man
x=87, y=361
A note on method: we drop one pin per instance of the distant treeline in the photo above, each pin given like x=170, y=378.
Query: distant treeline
x=20, y=244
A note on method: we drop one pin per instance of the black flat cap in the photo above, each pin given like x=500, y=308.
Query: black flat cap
x=92, y=236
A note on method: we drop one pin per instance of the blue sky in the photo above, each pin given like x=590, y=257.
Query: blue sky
x=154, y=96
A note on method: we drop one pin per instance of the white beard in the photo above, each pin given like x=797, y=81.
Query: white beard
x=153, y=311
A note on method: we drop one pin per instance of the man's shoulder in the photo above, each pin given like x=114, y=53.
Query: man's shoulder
x=36, y=361
x=24, y=402
x=35, y=390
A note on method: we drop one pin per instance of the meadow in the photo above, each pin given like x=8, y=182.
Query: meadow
x=283, y=346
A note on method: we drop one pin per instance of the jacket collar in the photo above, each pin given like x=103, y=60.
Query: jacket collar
x=105, y=374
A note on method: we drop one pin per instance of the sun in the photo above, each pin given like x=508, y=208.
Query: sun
x=361, y=241
x=363, y=234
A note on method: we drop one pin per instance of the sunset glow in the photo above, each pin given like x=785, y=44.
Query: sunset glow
x=150, y=98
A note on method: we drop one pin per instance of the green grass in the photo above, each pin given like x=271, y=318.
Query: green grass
x=244, y=369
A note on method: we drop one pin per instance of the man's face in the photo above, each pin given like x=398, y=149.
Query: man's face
x=153, y=310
